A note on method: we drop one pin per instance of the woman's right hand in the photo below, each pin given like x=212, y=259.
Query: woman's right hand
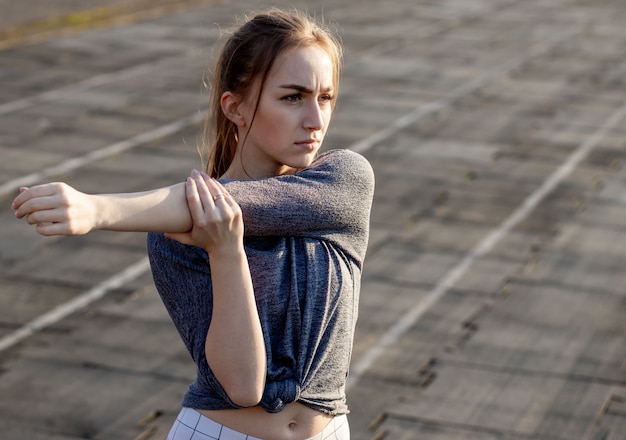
x=56, y=209
x=217, y=219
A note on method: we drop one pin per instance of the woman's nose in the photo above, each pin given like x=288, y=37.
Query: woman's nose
x=314, y=118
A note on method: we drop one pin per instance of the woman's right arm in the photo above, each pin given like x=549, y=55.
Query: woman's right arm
x=59, y=209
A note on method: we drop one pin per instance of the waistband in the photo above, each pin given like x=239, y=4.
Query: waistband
x=190, y=424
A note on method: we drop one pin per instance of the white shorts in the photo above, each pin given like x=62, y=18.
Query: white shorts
x=191, y=425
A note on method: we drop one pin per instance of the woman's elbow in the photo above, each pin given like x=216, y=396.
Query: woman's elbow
x=244, y=396
x=243, y=387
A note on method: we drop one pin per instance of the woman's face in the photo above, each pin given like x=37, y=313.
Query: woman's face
x=292, y=117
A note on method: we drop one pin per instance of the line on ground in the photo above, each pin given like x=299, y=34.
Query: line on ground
x=412, y=316
x=64, y=310
x=11, y=186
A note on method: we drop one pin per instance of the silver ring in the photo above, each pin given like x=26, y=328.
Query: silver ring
x=217, y=197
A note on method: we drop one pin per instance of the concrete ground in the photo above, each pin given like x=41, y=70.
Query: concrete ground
x=493, y=298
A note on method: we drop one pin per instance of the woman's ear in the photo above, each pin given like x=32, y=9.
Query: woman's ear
x=232, y=109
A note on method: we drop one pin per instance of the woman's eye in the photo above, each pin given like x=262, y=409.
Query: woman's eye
x=326, y=98
x=296, y=97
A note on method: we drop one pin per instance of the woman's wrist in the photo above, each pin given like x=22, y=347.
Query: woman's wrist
x=227, y=252
x=99, y=212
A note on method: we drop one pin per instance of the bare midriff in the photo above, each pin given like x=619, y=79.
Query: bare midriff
x=294, y=422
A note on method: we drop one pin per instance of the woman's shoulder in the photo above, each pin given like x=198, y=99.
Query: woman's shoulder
x=344, y=162
x=341, y=155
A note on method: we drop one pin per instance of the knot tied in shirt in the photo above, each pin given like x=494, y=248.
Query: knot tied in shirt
x=278, y=394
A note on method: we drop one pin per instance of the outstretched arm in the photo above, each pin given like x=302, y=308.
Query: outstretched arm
x=332, y=195
x=59, y=209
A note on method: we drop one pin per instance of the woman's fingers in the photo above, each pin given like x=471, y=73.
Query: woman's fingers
x=203, y=183
x=193, y=198
x=37, y=204
x=218, y=192
x=47, y=216
x=27, y=194
x=40, y=198
x=56, y=209
x=199, y=200
x=206, y=191
x=217, y=222
x=52, y=229
x=21, y=198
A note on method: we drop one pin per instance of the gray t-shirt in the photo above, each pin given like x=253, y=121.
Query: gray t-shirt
x=305, y=238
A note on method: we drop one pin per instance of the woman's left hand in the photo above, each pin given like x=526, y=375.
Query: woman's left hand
x=217, y=219
x=57, y=209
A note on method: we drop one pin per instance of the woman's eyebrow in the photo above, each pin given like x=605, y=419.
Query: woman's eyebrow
x=297, y=87
x=302, y=89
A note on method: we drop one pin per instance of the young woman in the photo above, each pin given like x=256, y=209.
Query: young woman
x=267, y=314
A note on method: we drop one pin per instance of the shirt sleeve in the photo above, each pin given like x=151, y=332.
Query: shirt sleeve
x=333, y=195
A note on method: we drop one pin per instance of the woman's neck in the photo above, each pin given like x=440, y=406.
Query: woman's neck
x=238, y=171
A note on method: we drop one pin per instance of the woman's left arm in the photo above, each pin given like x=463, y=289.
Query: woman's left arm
x=333, y=195
x=59, y=209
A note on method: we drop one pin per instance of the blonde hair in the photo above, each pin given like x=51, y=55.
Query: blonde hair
x=249, y=54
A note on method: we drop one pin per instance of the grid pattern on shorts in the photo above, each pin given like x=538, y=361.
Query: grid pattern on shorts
x=337, y=429
x=191, y=425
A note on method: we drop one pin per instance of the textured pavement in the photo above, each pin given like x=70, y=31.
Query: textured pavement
x=493, y=298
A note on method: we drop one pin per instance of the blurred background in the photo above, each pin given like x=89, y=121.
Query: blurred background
x=493, y=300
